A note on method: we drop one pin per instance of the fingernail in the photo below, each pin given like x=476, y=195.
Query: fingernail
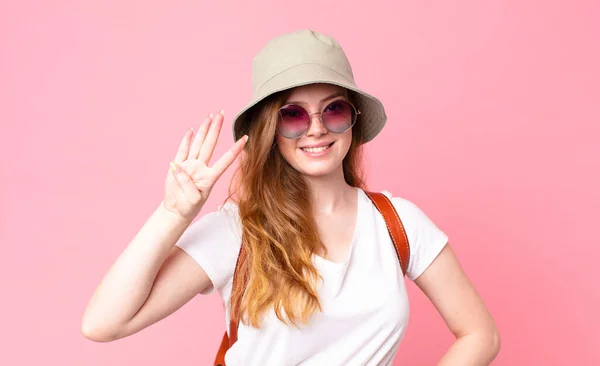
x=210, y=115
x=222, y=112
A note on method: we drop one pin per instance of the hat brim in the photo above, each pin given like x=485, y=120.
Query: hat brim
x=373, y=115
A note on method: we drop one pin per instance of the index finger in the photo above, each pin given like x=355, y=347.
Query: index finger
x=228, y=158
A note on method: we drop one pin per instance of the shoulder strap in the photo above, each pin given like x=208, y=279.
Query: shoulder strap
x=394, y=226
x=395, y=229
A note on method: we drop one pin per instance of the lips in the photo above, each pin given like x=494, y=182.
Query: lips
x=318, y=144
x=317, y=148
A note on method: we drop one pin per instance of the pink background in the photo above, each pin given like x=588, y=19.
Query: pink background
x=493, y=130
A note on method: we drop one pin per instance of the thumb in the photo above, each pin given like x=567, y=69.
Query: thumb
x=185, y=182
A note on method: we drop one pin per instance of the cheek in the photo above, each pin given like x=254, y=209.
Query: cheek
x=286, y=147
x=346, y=141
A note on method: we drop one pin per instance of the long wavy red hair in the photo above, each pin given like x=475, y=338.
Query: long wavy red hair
x=279, y=232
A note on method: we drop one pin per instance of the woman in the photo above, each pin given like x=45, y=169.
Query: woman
x=323, y=283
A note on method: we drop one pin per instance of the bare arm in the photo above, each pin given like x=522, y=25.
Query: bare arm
x=456, y=299
x=152, y=277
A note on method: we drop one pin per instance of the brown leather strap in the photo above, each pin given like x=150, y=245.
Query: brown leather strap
x=397, y=233
x=228, y=341
x=239, y=281
x=394, y=226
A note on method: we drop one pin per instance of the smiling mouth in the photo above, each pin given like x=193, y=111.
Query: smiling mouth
x=316, y=149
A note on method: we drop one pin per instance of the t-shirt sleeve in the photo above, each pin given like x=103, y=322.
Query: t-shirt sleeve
x=426, y=240
x=214, y=241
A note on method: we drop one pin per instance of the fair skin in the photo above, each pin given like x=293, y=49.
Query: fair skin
x=335, y=202
x=443, y=282
x=153, y=278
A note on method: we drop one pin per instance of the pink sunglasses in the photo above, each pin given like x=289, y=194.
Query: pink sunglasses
x=337, y=117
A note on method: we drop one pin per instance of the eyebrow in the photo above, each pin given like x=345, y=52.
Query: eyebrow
x=334, y=95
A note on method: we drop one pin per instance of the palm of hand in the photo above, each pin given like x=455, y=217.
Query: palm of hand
x=191, y=179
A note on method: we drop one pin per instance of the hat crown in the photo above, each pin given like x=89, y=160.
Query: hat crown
x=297, y=48
x=301, y=58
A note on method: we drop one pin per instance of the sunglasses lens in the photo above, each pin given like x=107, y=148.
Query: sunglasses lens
x=293, y=121
x=339, y=116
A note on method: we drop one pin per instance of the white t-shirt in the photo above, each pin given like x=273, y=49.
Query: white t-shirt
x=364, y=300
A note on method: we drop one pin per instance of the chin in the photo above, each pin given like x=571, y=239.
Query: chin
x=317, y=170
x=315, y=165
x=318, y=167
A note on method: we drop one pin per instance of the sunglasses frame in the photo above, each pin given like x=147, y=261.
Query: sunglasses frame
x=356, y=113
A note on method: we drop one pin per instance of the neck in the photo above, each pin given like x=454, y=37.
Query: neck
x=330, y=193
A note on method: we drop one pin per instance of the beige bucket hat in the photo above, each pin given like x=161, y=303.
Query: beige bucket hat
x=306, y=57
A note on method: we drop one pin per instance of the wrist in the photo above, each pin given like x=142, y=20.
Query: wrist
x=172, y=217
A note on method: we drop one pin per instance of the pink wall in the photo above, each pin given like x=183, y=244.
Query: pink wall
x=493, y=129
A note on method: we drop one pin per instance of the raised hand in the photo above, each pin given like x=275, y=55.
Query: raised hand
x=190, y=180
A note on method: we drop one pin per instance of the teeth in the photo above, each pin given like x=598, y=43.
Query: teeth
x=315, y=149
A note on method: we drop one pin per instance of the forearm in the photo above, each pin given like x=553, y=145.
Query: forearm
x=127, y=284
x=476, y=349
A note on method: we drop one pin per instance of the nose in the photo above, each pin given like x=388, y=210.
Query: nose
x=316, y=127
